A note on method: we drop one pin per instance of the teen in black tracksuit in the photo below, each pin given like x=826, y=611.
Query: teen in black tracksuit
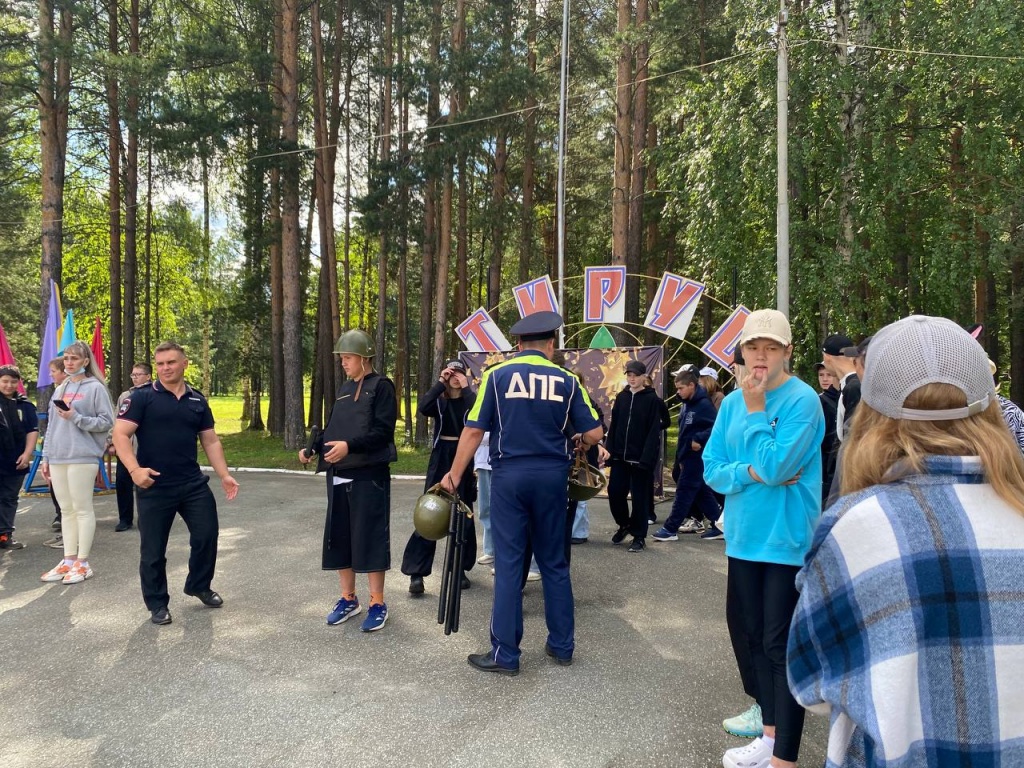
x=696, y=418
x=634, y=442
x=447, y=403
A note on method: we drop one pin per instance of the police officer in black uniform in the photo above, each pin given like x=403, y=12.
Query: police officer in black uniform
x=167, y=418
x=531, y=407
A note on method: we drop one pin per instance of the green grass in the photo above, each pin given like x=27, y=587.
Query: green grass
x=244, y=448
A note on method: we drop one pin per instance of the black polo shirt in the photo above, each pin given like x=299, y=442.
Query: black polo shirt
x=168, y=428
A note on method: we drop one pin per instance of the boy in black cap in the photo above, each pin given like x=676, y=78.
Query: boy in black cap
x=19, y=429
x=843, y=371
x=447, y=403
x=634, y=442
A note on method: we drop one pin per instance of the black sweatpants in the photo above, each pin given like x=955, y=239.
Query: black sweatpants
x=765, y=596
x=631, y=480
x=158, y=505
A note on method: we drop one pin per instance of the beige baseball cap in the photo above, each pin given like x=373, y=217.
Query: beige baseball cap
x=767, y=324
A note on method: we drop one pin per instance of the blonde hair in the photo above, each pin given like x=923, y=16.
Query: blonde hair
x=84, y=351
x=710, y=383
x=877, y=444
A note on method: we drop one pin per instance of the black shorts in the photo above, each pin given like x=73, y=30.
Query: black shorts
x=357, y=533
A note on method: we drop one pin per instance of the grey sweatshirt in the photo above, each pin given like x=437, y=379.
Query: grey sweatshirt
x=81, y=439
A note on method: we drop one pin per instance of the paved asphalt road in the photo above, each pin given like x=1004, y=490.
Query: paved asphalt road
x=263, y=681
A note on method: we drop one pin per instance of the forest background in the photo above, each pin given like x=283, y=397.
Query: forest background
x=252, y=178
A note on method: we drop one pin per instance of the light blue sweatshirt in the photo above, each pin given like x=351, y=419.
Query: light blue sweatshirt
x=768, y=522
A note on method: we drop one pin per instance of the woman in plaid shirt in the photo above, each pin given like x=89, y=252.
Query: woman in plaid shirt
x=910, y=625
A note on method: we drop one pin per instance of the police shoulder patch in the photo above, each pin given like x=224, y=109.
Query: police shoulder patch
x=125, y=405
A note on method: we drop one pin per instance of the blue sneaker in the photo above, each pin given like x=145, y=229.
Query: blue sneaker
x=343, y=611
x=664, y=534
x=376, y=617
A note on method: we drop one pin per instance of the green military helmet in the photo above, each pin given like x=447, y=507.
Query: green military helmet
x=355, y=342
x=432, y=515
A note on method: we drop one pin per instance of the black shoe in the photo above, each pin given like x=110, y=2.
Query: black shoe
x=620, y=535
x=466, y=583
x=161, y=616
x=652, y=519
x=485, y=663
x=415, y=585
x=208, y=597
x=576, y=540
x=55, y=525
x=122, y=526
x=7, y=542
x=561, y=661
x=638, y=545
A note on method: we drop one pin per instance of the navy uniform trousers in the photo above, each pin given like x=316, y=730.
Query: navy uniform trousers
x=158, y=505
x=529, y=507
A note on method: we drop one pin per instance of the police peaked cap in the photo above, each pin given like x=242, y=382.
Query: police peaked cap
x=539, y=325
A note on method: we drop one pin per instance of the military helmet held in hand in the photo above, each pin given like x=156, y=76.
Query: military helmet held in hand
x=432, y=516
x=355, y=342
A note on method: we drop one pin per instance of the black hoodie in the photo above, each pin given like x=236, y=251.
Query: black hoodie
x=634, y=435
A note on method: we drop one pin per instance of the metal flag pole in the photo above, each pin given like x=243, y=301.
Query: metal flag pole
x=560, y=203
x=782, y=192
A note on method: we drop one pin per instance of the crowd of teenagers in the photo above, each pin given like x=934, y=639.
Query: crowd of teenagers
x=897, y=611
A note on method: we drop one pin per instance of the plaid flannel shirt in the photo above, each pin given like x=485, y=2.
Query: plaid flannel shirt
x=910, y=624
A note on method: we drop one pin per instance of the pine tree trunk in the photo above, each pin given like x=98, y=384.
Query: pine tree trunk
x=294, y=427
x=276, y=408
x=384, y=247
x=638, y=170
x=131, y=200
x=526, y=227
x=621, y=180
x=116, y=368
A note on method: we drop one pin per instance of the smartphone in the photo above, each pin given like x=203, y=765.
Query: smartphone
x=61, y=405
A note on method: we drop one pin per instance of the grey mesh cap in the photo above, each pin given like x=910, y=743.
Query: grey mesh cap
x=919, y=350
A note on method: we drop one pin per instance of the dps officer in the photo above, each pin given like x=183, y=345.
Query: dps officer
x=166, y=418
x=531, y=408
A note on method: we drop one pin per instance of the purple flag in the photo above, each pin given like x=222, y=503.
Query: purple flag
x=49, y=350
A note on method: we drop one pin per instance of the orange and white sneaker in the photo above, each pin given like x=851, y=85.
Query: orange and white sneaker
x=79, y=572
x=57, y=573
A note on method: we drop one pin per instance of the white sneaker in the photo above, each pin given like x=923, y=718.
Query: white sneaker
x=57, y=573
x=691, y=525
x=533, y=576
x=485, y=559
x=756, y=754
x=78, y=573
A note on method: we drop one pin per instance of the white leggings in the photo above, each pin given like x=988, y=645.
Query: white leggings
x=73, y=487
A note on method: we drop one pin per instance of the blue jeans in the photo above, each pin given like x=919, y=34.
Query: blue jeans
x=483, y=508
x=581, y=525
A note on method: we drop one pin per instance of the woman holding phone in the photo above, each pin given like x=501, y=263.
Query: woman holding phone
x=80, y=417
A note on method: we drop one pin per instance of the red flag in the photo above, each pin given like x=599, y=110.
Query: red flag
x=97, y=346
x=6, y=357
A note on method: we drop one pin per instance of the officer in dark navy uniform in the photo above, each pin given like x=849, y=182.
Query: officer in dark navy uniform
x=167, y=418
x=531, y=408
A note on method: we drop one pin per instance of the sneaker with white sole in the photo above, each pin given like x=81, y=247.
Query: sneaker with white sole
x=485, y=559
x=746, y=725
x=691, y=525
x=712, y=534
x=376, y=617
x=343, y=611
x=79, y=572
x=533, y=576
x=756, y=754
x=57, y=542
x=664, y=534
x=57, y=573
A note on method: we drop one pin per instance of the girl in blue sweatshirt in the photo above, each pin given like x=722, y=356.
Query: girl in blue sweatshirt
x=764, y=456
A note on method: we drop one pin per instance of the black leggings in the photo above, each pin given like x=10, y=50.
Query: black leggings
x=765, y=596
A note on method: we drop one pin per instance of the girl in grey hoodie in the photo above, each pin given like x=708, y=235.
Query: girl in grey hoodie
x=79, y=417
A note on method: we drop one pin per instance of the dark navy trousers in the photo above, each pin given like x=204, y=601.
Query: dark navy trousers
x=528, y=507
x=158, y=506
